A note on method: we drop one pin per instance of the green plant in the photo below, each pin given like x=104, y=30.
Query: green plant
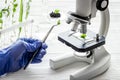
x=28, y=9
x=6, y=10
x=15, y=5
x=1, y=23
x=58, y=22
x=20, y=16
x=83, y=36
x=2, y=12
x=56, y=11
x=11, y=8
x=21, y=13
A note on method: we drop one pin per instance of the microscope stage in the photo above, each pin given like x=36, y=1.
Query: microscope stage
x=79, y=44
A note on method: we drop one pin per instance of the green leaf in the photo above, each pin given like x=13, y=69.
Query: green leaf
x=56, y=11
x=4, y=9
x=27, y=13
x=1, y=21
x=1, y=14
x=83, y=36
x=15, y=5
x=14, y=9
x=8, y=10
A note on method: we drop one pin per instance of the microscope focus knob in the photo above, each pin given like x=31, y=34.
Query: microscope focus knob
x=102, y=4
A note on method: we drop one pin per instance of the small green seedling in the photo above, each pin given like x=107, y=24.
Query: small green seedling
x=56, y=11
x=83, y=36
x=58, y=22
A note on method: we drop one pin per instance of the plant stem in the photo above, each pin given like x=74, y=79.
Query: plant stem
x=20, y=16
x=1, y=23
x=28, y=9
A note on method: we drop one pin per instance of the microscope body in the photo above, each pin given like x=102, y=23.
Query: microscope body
x=85, y=11
x=90, y=49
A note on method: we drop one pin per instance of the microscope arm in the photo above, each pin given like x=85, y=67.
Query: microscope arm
x=105, y=21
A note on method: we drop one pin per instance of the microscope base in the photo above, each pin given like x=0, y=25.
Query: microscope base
x=100, y=65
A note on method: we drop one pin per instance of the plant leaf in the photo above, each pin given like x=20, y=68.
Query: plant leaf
x=83, y=36
x=56, y=11
x=0, y=14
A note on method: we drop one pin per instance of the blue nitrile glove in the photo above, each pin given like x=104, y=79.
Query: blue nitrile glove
x=15, y=57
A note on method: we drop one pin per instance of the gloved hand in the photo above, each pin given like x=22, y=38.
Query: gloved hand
x=15, y=57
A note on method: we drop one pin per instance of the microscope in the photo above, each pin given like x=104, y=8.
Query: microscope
x=89, y=49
